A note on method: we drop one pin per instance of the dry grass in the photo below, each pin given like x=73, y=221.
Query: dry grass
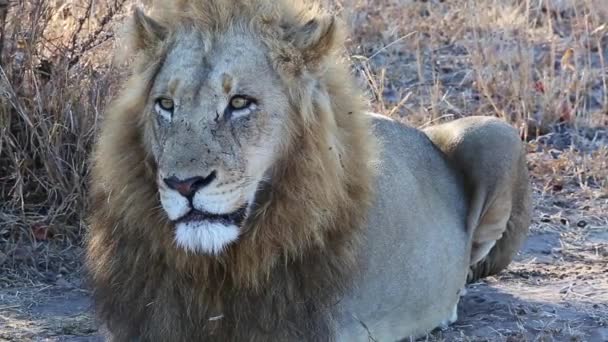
x=530, y=62
x=534, y=63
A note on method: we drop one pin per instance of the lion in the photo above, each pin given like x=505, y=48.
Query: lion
x=241, y=191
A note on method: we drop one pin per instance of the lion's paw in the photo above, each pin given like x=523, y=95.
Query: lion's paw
x=453, y=318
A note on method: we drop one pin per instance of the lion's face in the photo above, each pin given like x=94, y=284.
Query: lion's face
x=215, y=124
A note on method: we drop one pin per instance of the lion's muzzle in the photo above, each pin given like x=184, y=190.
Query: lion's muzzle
x=207, y=217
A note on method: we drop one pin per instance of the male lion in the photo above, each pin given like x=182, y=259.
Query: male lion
x=240, y=192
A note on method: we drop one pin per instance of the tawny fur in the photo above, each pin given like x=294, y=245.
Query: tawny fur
x=297, y=253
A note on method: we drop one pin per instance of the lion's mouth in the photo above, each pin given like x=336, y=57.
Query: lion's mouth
x=235, y=218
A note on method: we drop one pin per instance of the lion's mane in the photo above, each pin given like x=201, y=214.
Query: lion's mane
x=297, y=253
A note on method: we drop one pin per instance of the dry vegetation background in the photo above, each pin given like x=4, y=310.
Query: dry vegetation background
x=539, y=64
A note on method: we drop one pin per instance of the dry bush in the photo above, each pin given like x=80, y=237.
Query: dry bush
x=52, y=91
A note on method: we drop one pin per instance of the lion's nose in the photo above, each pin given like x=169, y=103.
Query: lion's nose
x=187, y=187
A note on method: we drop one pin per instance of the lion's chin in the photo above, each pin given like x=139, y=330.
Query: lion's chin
x=205, y=237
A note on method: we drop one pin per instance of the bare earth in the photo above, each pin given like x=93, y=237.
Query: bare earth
x=556, y=290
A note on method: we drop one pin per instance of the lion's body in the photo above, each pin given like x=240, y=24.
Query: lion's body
x=413, y=267
x=310, y=220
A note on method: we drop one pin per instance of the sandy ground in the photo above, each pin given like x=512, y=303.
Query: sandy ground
x=556, y=290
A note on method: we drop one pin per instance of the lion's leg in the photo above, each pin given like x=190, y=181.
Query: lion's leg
x=514, y=235
x=491, y=213
x=491, y=158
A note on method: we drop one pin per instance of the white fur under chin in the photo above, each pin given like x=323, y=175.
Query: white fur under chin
x=205, y=237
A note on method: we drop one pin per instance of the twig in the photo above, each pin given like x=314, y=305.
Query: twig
x=92, y=39
x=3, y=12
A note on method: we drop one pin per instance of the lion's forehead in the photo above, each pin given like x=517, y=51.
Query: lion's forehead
x=193, y=58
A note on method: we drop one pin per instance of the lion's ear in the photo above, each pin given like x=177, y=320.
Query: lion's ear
x=146, y=32
x=317, y=38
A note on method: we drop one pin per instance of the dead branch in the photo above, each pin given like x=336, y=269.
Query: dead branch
x=3, y=12
x=95, y=38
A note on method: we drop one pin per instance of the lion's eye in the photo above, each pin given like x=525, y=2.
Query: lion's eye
x=240, y=106
x=239, y=102
x=164, y=108
x=165, y=104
